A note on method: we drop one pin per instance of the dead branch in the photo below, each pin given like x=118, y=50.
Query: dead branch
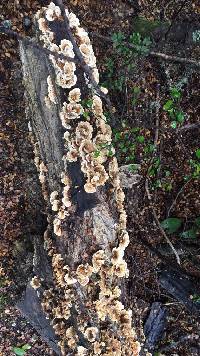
x=29, y=42
x=158, y=222
x=163, y=56
x=178, y=194
x=79, y=60
x=189, y=127
x=177, y=59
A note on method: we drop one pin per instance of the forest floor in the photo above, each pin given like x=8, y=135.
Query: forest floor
x=156, y=134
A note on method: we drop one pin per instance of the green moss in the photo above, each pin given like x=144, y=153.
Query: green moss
x=145, y=27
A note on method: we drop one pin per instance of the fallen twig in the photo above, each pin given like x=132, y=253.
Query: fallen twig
x=177, y=59
x=163, y=56
x=147, y=187
x=158, y=223
x=179, y=192
x=189, y=127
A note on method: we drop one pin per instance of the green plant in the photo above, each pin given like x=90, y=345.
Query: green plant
x=172, y=107
x=87, y=105
x=108, y=146
x=140, y=45
x=126, y=50
x=145, y=26
x=135, y=95
x=171, y=225
x=140, y=138
x=134, y=167
x=155, y=165
x=113, y=82
x=196, y=298
x=195, y=166
x=149, y=148
x=197, y=153
x=193, y=231
x=21, y=351
x=164, y=183
x=127, y=142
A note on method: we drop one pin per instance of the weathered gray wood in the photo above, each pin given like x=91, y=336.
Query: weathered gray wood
x=45, y=122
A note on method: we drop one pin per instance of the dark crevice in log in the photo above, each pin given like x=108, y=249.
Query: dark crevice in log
x=84, y=201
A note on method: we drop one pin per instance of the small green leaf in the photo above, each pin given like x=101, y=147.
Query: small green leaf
x=167, y=173
x=18, y=351
x=133, y=167
x=136, y=90
x=26, y=347
x=117, y=38
x=173, y=124
x=189, y=234
x=125, y=149
x=167, y=187
x=158, y=183
x=168, y=105
x=140, y=139
x=197, y=221
x=171, y=224
x=132, y=146
x=96, y=154
x=175, y=93
x=117, y=136
x=180, y=116
x=135, y=129
x=196, y=298
x=156, y=162
x=198, y=153
x=186, y=178
x=85, y=114
x=147, y=41
x=152, y=172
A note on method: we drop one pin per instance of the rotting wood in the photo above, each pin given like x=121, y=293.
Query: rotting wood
x=155, y=325
x=92, y=225
x=181, y=288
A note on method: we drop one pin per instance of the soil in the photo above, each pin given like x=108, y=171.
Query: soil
x=175, y=194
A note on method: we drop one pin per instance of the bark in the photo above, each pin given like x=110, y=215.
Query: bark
x=155, y=325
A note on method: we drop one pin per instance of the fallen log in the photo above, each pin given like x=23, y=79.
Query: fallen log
x=75, y=298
